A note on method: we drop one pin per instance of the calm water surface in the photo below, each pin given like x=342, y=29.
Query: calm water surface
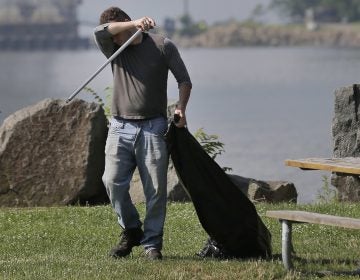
x=266, y=104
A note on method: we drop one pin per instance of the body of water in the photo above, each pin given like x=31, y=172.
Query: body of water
x=266, y=104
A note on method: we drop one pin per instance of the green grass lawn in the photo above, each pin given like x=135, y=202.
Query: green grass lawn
x=73, y=243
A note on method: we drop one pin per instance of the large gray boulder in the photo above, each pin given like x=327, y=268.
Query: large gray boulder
x=346, y=135
x=266, y=191
x=53, y=154
x=255, y=190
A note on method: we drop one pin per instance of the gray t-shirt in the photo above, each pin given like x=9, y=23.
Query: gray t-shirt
x=141, y=74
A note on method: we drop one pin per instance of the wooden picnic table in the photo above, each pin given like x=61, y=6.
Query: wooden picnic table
x=348, y=165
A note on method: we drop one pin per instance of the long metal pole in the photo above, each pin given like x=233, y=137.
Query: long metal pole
x=110, y=59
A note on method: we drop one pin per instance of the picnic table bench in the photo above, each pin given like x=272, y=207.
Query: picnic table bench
x=349, y=166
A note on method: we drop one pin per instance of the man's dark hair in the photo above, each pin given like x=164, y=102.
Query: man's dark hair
x=113, y=14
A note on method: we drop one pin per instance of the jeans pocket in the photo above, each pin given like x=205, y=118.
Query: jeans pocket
x=122, y=129
x=115, y=127
x=158, y=127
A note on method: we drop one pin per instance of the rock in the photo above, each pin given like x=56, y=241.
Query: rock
x=255, y=190
x=348, y=187
x=266, y=191
x=345, y=126
x=346, y=135
x=53, y=154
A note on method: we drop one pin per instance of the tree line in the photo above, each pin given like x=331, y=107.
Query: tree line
x=323, y=10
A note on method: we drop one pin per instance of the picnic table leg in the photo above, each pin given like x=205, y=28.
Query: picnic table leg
x=286, y=244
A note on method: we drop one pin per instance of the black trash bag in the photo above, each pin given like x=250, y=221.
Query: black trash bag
x=226, y=214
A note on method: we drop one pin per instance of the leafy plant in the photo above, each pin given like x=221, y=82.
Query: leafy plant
x=97, y=98
x=211, y=144
x=327, y=194
x=106, y=105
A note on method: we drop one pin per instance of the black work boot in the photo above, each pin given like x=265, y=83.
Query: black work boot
x=129, y=238
x=153, y=254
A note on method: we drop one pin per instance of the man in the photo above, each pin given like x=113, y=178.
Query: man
x=138, y=125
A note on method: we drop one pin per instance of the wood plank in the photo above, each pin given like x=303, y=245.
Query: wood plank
x=349, y=165
x=315, y=218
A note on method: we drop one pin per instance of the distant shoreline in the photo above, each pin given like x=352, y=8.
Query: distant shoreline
x=244, y=34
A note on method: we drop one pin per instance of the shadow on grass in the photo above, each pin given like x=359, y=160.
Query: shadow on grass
x=183, y=258
x=202, y=259
x=326, y=273
x=277, y=257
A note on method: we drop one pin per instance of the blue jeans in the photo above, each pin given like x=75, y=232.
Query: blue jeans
x=140, y=144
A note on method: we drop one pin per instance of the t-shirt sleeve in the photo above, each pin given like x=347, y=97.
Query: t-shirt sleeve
x=176, y=64
x=104, y=40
